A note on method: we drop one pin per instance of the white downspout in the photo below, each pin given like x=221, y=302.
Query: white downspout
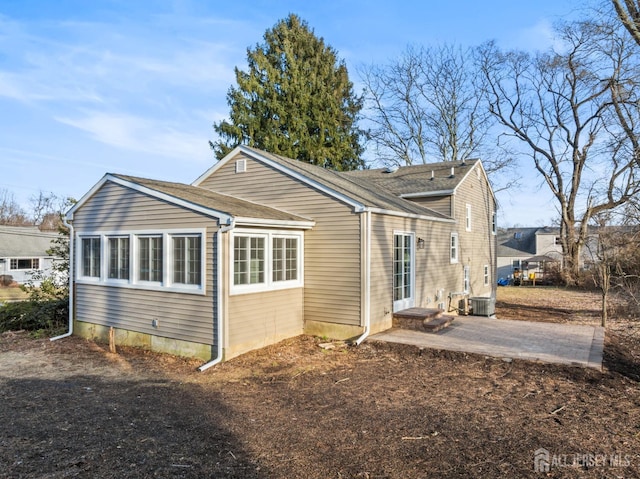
x=71, y=271
x=219, y=329
x=367, y=281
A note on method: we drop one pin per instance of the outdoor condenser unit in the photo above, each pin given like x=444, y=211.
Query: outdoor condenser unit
x=483, y=306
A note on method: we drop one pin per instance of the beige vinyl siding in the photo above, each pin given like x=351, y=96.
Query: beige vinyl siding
x=441, y=204
x=478, y=246
x=259, y=319
x=332, y=246
x=433, y=271
x=183, y=316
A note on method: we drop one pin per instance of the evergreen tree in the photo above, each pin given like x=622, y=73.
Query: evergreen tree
x=296, y=100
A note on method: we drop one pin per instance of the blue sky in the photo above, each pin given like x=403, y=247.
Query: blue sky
x=89, y=87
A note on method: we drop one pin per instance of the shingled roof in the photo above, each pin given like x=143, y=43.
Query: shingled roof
x=24, y=241
x=516, y=242
x=214, y=204
x=417, y=179
x=359, y=187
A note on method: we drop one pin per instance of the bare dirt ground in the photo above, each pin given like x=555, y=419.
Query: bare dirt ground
x=294, y=410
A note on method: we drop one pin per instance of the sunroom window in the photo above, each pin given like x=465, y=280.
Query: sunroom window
x=91, y=257
x=187, y=259
x=150, y=258
x=118, y=257
x=266, y=260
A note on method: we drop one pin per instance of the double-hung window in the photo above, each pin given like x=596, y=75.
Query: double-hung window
x=453, y=248
x=468, y=217
x=150, y=258
x=91, y=257
x=118, y=257
x=187, y=259
x=264, y=261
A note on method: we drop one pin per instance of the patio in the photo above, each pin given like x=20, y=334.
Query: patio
x=577, y=345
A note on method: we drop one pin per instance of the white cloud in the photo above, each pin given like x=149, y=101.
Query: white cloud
x=143, y=135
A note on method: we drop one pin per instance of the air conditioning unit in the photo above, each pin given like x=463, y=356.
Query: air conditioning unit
x=483, y=306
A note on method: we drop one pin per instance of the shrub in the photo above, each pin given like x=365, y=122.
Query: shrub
x=47, y=316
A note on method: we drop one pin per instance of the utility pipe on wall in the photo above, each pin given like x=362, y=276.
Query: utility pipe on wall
x=219, y=328
x=71, y=270
x=367, y=281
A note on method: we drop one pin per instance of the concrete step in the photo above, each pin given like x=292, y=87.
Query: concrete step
x=421, y=319
x=436, y=324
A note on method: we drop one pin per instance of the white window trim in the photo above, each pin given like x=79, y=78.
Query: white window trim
x=467, y=219
x=466, y=279
x=454, y=259
x=134, y=282
x=487, y=275
x=18, y=258
x=268, y=284
x=104, y=256
x=136, y=254
x=494, y=223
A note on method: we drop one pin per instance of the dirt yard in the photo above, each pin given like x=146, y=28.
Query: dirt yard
x=294, y=410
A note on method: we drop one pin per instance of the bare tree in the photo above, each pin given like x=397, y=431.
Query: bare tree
x=11, y=213
x=569, y=109
x=426, y=106
x=46, y=209
x=628, y=12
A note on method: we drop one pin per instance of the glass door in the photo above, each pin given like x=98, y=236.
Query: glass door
x=403, y=271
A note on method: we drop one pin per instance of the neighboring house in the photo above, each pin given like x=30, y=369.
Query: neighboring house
x=23, y=250
x=261, y=248
x=528, y=249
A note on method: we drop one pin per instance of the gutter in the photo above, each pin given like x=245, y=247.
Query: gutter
x=219, y=328
x=71, y=271
x=367, y=281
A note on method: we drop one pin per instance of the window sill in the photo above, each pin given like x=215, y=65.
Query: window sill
x=198, y=290
x=264, y=288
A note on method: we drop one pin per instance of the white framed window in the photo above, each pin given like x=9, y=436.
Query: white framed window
x=453, y=248
x=187, y=259
x=118, y=254
x=150, y=258
x=284, y=258
x=90, y=261
x=486, y=274
x=466, y=279
x=169, y=260
x=249, y=259
x=265, y=260
x=467, y=220
x=24, y=263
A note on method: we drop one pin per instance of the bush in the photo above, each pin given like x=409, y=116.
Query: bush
x=46, y=317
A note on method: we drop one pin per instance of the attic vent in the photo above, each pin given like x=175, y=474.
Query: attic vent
x=391, y=169
x=241, y=166
x=453, y=172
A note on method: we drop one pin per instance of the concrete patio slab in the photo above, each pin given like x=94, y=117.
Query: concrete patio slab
x=578, y=345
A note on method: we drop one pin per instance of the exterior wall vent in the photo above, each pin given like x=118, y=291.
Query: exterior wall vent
x=241, y=166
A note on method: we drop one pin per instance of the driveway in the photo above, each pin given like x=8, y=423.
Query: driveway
x=578, y=345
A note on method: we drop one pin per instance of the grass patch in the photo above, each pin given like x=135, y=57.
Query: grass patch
x=12, y=294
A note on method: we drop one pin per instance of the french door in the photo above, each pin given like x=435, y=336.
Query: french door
x=403, y=271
